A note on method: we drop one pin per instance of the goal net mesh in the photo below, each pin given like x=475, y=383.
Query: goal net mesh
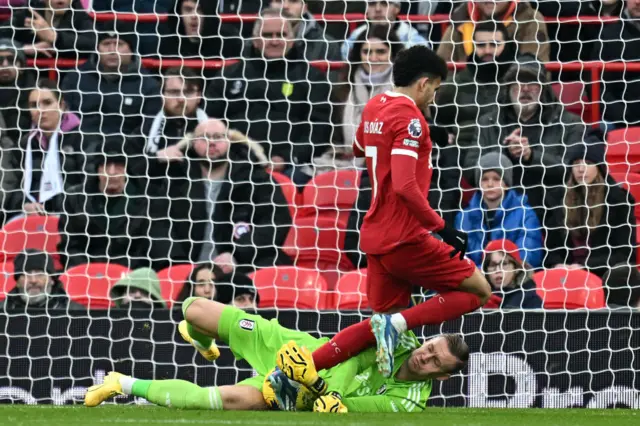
x=156, y=151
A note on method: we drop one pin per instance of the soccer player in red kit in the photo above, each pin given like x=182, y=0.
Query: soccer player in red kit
x=398, y=231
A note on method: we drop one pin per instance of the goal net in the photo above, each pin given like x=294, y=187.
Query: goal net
x=154, y=153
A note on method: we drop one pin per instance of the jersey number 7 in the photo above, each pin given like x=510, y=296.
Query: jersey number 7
x=372, y=152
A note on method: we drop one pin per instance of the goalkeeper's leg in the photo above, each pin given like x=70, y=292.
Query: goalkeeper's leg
x=177, y=394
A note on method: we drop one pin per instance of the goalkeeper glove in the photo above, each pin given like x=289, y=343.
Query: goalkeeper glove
x=456, y=239
x=297, y=364
x=330, y=403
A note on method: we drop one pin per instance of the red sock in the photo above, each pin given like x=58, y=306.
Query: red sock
x=440, y=308
x=344, y=345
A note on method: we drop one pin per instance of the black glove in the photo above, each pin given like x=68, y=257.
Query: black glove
x=456, y=239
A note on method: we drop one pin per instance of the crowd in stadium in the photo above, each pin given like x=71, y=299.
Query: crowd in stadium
x=149, y=168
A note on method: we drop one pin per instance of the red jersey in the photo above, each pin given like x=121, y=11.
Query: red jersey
x=394, y=137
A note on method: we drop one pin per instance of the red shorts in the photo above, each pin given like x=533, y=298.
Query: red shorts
x=391, y=276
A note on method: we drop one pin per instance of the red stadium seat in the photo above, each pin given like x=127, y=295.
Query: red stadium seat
x=39, y=232
x=318, y=239
x=89, y=284
x=172, y=280
x=7, y=281
x=572, y=96
x=623, y=150
x=289, y=190
x=569, y=289
x=351, y=291
x=331, y=191
x=287, y=287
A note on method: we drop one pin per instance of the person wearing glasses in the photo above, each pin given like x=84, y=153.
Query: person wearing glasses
x=509, y=277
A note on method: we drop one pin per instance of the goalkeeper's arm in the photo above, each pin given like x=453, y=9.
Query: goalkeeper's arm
x=381, y=404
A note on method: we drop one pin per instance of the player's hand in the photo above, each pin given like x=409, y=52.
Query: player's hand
x=456, y=239
x=331, y=403
x=297, y=364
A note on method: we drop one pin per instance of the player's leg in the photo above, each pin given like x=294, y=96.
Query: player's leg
x=200, y=326
x=461, y=287
x=177, y=394
x=384, y=293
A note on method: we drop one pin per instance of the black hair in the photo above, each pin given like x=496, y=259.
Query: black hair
x=188, y=75
x=381, y=32
x=415, y=63
x=187, y=287
x=490, y=27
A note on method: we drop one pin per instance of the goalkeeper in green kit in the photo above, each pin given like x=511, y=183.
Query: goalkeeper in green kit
x=353, y=386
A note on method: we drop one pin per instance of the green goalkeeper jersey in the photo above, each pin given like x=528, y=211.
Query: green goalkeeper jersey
x=369, y=391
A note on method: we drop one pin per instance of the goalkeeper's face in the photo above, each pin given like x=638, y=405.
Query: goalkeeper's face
x=432, y=360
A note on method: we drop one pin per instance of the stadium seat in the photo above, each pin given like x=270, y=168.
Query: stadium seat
x=572, y=96
x=89, y=284
x=318, y=242
x=351, y=291
x=623, y=150
x=289, y=190
x=172, y=280
x=569, y=289
x=287, y=287
x=331, y=191
x=39, y=232
x=7, y=281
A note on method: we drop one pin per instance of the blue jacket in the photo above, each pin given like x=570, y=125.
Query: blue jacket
x=515, y=220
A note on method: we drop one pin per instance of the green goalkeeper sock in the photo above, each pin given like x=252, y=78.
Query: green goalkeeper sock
x=178, y=394
x=201, y=339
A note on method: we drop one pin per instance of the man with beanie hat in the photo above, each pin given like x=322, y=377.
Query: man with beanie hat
x=531, y=128
x=110, y=220
x=385, y=13
x=36, y=284
x=497, y=212
x=238, y=290
x=112, y=91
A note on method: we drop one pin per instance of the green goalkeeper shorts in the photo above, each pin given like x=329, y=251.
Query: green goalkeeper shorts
x=257, y=340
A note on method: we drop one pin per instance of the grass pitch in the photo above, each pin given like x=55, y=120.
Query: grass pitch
x=20, y=415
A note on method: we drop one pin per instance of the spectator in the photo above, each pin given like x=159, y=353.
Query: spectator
x=37, y=286
x=50, y=158
x=202, y=282
x=139, y=289
x=620, y=41
x=622, y=286
x=510, y=277
x=474, y=89
x=244, y=213
x=385, y=13
x=596, y=227
x=53, y=28
x=237, y=290
x=369, y=75
x=112, y=91
x=531, y=128
x=192, y=35
x=15, y=84
x=109, y=219
x=234, y=7
x=497, y=212
x=275, y=97
x=524, y=25
x=181, y=113
x=310, y=36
